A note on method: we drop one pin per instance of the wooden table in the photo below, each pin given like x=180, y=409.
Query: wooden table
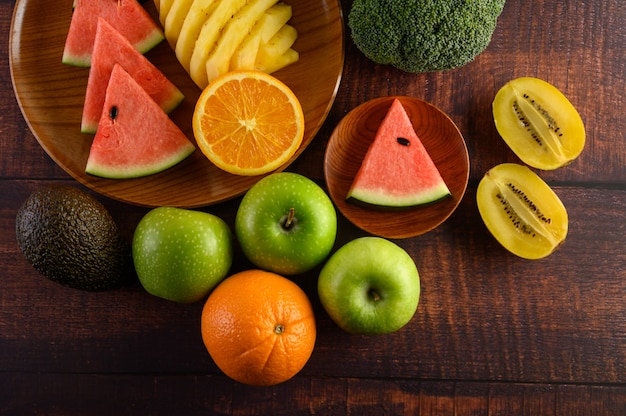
x=494, y=334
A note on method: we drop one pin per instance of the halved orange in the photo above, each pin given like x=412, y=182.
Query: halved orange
x=248, y=122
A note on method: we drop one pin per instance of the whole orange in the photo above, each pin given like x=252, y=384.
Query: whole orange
x=258, y=327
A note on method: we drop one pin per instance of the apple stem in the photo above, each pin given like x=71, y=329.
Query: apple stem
x=290, y=217
x=375, y=295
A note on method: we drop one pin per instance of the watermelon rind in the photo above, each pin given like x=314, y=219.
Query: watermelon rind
x=127, y=16
x=112, y=48
x=135, y=137
x=84, y=60
x=111, y=172
x=380, y=197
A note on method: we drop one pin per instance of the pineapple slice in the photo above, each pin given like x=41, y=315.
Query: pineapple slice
x=232, y=35
x=211, y=37
x=266, y=27
x=164, y=8
x=190, y=30
x=209, y=34
x=271, y=63
x=175, y=19
x=276, y=17
x=245, y=54
x=277, y=52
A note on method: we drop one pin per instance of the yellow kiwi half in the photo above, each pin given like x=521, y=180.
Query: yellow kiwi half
x=521, y=211
x=538, y=123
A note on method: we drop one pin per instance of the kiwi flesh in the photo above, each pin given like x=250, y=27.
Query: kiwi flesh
x=538, y=123
x=521, y=211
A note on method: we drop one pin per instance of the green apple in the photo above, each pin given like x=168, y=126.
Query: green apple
x=180, y=254
x=370, y=286
x=286, y=224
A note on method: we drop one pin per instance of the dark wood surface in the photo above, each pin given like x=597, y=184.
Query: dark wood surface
x=493, y=334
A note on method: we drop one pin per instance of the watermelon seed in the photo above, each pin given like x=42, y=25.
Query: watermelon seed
x=403, y=141
x=113, y=112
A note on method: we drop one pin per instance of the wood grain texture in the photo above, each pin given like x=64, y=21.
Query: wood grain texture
x=493, y=335
x=191, y=395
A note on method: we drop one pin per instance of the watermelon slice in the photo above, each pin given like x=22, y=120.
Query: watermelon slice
x=397, y=171
x=127, y=16
x=111, y=47
x=135, y=137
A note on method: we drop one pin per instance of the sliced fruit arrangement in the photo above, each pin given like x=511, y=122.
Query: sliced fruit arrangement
x=248, y=122
x=539, y=123
x=127, y=98
x=212, y=37
x=126, y=16
x=112, y=48
x=521, y=211
x=397, y=171
x=135, y=137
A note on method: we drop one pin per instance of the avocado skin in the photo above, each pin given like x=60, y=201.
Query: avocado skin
x=70, y=237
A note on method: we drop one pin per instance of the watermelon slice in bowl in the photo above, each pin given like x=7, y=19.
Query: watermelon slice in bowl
x=350, y=142
x=397, y=171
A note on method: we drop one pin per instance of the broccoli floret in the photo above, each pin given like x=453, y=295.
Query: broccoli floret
x=423, y=35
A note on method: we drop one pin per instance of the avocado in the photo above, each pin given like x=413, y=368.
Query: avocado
x=70, y=237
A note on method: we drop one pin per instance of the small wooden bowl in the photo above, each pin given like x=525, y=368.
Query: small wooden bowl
x=349, y=143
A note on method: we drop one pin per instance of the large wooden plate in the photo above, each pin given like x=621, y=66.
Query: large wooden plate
x=50, y=95
x=352, y=138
